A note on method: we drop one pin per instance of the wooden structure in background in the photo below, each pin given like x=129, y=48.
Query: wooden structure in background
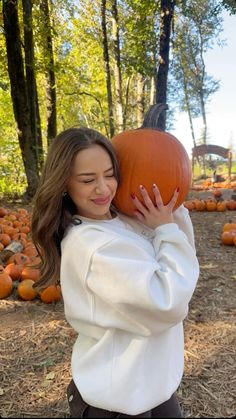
x=203, y=149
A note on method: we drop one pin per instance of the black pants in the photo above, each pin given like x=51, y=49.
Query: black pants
x=80, y=409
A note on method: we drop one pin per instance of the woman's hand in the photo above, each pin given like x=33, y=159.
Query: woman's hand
x=154, y=214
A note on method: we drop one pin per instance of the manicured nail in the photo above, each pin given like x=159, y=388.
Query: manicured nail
x=132, y=195
x=177, y=189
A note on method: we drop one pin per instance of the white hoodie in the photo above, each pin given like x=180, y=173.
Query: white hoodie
x=126, y=291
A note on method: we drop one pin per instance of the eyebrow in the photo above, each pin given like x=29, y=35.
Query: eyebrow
x=92, y=174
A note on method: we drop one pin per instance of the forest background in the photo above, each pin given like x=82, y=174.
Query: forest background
x=101, y=64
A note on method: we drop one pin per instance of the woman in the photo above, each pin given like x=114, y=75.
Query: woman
x=126, y=282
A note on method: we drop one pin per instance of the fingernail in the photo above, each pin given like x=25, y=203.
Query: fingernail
x=154, y=186
x=132, y=195
x=141, y=187
x=177, y=189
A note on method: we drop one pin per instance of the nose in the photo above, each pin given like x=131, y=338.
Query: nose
x=101, y=186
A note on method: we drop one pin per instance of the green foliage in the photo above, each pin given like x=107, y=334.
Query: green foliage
x=140, y=34
x=12, y=175
x=230, y=5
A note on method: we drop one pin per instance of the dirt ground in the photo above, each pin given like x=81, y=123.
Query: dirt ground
x=36, y=341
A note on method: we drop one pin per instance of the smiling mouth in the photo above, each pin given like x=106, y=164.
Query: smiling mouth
x=101, y=201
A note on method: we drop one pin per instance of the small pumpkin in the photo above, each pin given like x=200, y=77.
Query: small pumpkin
x=231, y=204
x=189, y=204
x=229, y=226
x=221, y=206
x=200, y=204
x=14, y=270
x=5, y=239
x=217, y=193
x=146, y=156
x=51, y=294
x=3, y=211
x=19, y=258
x=227, y=237
x=25, y=290
x=6, y=283
x=211, y=204
x=30, y=272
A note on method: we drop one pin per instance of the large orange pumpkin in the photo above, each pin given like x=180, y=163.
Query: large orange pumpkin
x=146, y=156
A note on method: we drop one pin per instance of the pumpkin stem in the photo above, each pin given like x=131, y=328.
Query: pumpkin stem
x=151, y=117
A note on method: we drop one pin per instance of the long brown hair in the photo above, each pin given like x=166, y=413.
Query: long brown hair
x=53, y=210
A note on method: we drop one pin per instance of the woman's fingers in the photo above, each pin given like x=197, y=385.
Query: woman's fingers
x=138, y=204
x=154, y=214
x=147, y=200
x=148, y=203
x=157, y=195
x=174, y=198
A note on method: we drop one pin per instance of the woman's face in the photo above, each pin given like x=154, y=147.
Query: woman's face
x=92, y=184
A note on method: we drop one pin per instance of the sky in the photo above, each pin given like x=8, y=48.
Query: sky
x=221, y=111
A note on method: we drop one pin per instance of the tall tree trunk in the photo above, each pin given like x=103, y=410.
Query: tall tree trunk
x=167, y=11
x=152, y=91
x=19, y=93
x=140, y=99
x=127, y=85
x=107, y=67
x=117, y=68
x=31, y=83
x=50, y=73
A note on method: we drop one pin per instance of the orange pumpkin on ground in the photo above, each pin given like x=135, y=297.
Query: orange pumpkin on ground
x=14, y=270
x=221, y=206
x=211, y=205
x=146, y=156
x=25, y=290
x=217, y=193
x=229, y=226
x=200, y=204
x=6, y=284
x=190, y=205
x=30, y=250
x=227, y=237
x=3, y=211
x=231, y=204
x=19, y=258
x=30, y=272
x=5, y=239
x=51, y=294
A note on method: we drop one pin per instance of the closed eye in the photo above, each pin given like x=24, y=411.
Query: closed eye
x=88, y=181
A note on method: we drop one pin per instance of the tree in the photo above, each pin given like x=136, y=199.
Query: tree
x=139, y=40
x=198, y=27
x=230, y=5
x=166, y=13
x=19, y=93
x=107, y=67
x=117, y=67
x=31, y=85
x=49, y=72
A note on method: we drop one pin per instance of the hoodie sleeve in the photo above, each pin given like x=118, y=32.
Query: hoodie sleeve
x=141, y=292
x=183, y=220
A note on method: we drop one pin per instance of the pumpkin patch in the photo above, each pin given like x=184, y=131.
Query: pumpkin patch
x=19, y=259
